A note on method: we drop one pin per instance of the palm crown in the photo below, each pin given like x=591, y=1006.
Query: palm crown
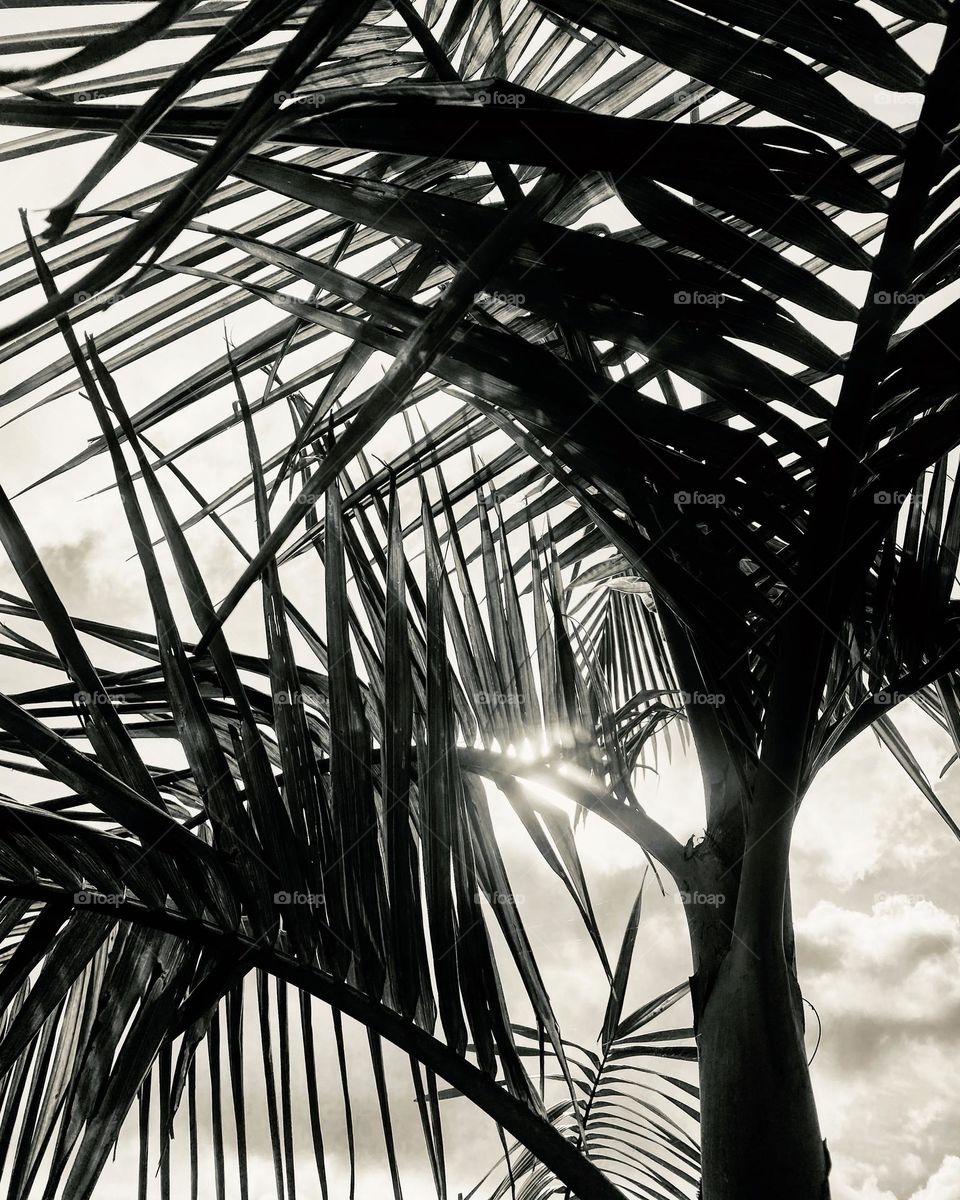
x=611, y=245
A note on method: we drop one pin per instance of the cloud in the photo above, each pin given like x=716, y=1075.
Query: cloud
x=944, y=1184
x=842, y=1187
x=864, y=819
x=852, y=1180
x=883, y=977
x=886, y=985
x=90, y=577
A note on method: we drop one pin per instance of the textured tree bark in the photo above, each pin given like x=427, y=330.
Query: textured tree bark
x=760, y=1134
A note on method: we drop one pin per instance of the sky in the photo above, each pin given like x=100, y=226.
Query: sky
x=876, y=891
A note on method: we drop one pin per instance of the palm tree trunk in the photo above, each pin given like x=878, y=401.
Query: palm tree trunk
x=760, y=1135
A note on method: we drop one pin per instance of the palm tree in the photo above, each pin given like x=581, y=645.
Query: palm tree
x=631, y=275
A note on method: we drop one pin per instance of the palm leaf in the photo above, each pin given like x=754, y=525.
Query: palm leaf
x=666, y=458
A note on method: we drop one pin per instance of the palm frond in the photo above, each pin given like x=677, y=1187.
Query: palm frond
x=653, y=480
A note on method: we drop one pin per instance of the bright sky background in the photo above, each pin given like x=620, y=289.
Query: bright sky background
x=876, y=892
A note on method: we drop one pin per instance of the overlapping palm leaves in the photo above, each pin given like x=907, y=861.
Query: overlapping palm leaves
x=293, y=841
x=676, y=377
x=620, y=1104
